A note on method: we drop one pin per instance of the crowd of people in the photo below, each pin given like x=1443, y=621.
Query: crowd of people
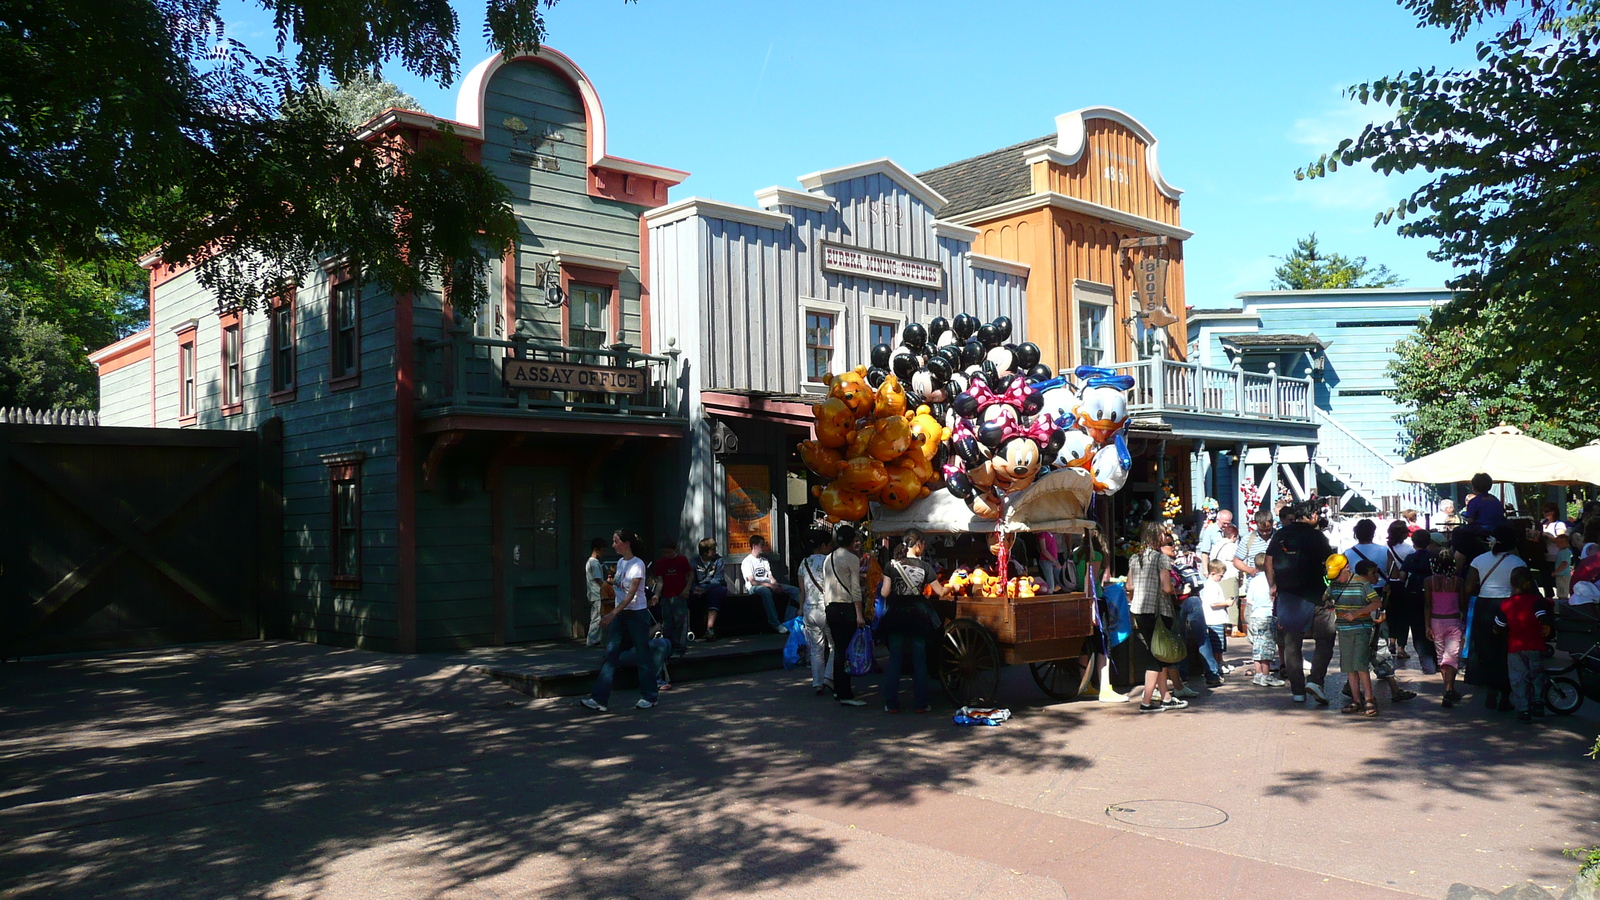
x=1463, y=602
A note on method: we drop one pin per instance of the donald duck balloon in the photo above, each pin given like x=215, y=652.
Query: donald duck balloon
x=1095, y=427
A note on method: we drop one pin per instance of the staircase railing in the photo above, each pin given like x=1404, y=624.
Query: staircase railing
x=1365, y=469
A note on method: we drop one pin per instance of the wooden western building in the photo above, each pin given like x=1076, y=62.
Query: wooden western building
x=1087, y=209
x=442, y=473
x=767, y=301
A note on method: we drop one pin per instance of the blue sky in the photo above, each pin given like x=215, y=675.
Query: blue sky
x=748, y=94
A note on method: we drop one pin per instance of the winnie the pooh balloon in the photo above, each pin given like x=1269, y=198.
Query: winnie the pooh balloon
x=832, y=420
x=890, y=438
x=902, y=489
x=890, y=399
x=825, y=461
x=841, y=504
x=852, y=388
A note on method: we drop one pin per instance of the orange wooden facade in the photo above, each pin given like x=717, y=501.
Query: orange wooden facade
x=1069, y=230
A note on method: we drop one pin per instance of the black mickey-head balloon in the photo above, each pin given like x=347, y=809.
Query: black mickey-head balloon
x=881, y=354
x=940, y=368
x=914, y=336
x=1040, y=372
x=876, y=375
x=971, y=353
x=965, y=325
x=1058, y=439
x=1026, y=355
x=1034, y=403
x=951, y=354
x=904, y=365
x=959, y=485
x=991, y=374
x=1003, y=359
x=937, y=328
x=989, y=336
x=965, y=405
x=1002, y=327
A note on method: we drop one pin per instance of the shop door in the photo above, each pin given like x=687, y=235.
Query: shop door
x=537, y=555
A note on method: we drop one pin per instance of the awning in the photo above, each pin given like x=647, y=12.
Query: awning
x=1504, y=454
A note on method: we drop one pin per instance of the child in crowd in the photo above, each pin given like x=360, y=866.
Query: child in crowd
x=1214, y=603
x=1562, y=574
x=1262, y=625
x=1525, y=621
x=594, y=580
x=1356, y=606
x=1442, y=609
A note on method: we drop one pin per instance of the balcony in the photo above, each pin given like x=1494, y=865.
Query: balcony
x=1224, y=403
x=468, y=381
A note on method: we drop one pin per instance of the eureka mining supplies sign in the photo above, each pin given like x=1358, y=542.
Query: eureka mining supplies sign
x=556, y=376
x=882, y=266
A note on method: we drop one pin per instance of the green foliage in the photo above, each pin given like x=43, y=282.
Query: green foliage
x=1307, y=268
x=358, y=100
x=1446, y=374
x=1514, y=201
x=51, y=315
x=41, y=367
x=141, y=116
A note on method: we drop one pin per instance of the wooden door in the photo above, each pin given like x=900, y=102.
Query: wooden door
x=538, y=555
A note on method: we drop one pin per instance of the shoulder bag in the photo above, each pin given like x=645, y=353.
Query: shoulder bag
x=1165, y=646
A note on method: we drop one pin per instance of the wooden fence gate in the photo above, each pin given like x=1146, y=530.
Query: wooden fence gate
x=136, y=537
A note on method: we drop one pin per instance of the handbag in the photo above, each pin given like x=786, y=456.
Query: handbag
x=858, y=656
x=1165, y=646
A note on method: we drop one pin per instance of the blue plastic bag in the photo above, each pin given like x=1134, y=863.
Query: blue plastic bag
x=1118, y=624
x=858, y=655
x=796, y=643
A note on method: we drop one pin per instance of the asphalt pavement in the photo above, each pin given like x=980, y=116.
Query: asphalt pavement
x=281, y=770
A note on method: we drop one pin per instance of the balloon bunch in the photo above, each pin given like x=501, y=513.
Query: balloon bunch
x=1093, y=424
x=871, y=445
x=936, y=362
x=1001, y=438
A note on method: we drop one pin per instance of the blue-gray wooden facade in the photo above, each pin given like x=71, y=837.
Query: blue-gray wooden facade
x=455, y=567
x=732, y=284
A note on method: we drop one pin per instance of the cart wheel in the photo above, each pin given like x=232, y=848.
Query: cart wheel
x=1059, y=678
x=970, y=669
x=1563, y=696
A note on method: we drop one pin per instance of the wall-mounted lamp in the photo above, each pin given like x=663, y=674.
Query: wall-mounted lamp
x=548, y=275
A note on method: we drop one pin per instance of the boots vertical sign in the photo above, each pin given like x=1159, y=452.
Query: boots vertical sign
x=1153, y=292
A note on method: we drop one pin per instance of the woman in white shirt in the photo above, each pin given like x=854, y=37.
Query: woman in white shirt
x=628, y=622
x=1489, y=577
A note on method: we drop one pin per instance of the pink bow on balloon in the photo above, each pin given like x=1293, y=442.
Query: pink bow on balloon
x=979, y=389
x=1018, y=393
x=1039, y=431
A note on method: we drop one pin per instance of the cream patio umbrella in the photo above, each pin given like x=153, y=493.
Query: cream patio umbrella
x=1590, y=452
x=1504, y=454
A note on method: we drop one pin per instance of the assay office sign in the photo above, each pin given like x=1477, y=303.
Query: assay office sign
x=883, y=266
x=558, y=376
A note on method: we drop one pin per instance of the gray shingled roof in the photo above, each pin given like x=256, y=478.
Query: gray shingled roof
x=984, y=180
x=1272, y=340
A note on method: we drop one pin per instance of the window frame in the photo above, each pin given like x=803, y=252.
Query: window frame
x=607, y=304
x=576, y=274
x=344, y=469
x=813, y=306
x=230, y=356
x=344, y=277
x=894, y=318
x=283, y=360
x=188, y=380
x=1101, y=297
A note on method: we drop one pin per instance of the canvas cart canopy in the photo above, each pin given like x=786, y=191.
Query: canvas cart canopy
x=1057, y=502
x=1504, y=454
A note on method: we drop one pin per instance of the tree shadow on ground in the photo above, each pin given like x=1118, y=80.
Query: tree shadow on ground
x=268, y=769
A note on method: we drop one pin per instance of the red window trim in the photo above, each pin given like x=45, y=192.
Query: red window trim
x=284, y=298
x=343, y=469
x=337, y=382
x=231, y=405
x=575, y=274
x=188, y=364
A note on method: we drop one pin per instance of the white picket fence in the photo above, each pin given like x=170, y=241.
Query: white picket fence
x=17, y=415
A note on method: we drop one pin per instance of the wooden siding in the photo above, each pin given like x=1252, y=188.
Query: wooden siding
x=318, y=421
x=555, y=208
x=1113, y=171
x=125, y=395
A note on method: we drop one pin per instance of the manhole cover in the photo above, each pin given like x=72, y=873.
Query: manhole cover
x=1166, y=814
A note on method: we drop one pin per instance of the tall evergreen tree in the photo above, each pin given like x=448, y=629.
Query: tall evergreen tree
x=1307, y=268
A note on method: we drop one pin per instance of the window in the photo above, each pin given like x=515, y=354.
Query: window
x=344, y=528
x=187, y=410
x=344, y=325
x=1091, y=333
x=232, y=364
x=882, y=333
x=281, y=334
x=590, y=316
x=819, y=346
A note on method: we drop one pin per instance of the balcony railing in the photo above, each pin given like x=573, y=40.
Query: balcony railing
x=463, y=373
x=1162, y=385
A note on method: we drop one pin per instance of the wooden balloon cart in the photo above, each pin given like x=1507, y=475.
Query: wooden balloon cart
x=981, y=634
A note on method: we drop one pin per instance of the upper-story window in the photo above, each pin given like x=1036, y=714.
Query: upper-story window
x=344, y=327
x=232, y=363
x=819, y=345
x=882, y=332
x=187, y=409
x=281, y=334
x=1091, y=333
x=590, y=309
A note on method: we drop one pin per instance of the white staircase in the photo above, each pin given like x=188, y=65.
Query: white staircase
x=1364, y=470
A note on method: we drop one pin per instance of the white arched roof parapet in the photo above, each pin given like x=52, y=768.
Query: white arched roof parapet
x=469, y=101
x=1072, y=138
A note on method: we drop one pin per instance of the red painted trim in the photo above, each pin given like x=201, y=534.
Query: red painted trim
x=342, y=473
x=131, y=349
x=626, y=187
x=572, y=273
x=517, y=425
x=405, y=477
x=280, y=300
x=510, y=278
x=644, y=286
x=336, y=381
x=186, y=341
x=230, y=321
x=788, y=412
x=152, y=310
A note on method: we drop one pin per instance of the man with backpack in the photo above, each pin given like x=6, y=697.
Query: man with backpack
x=1296, y=574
